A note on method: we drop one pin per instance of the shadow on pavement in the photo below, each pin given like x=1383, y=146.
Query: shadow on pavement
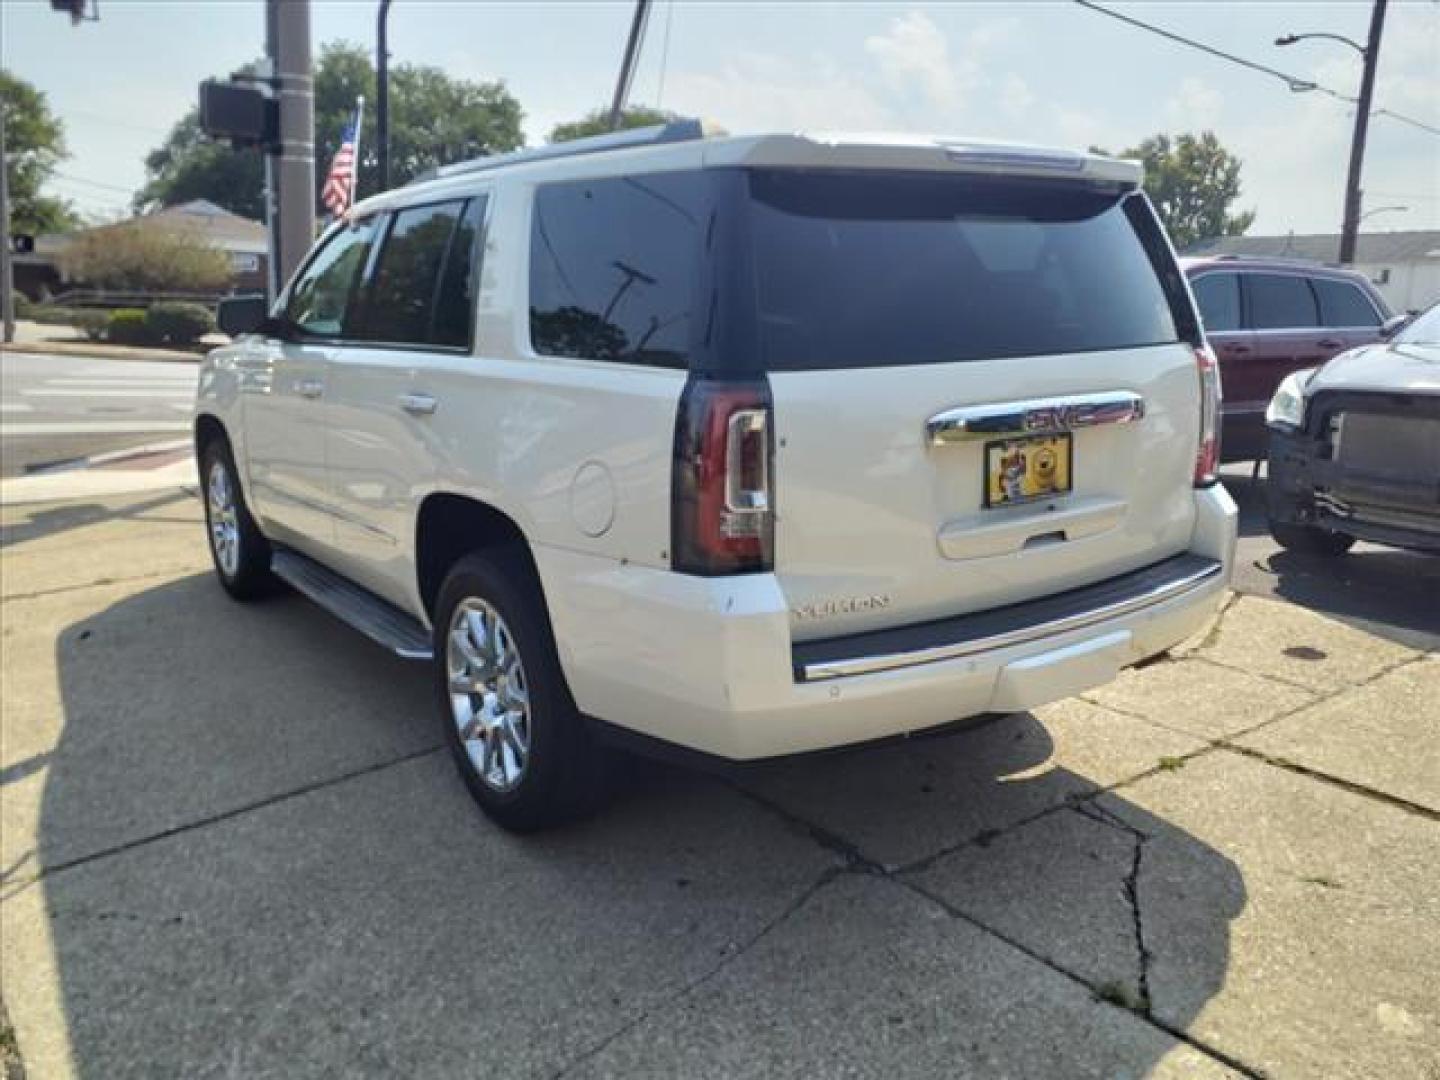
x=324, y=899
x=24, y=523
x=1385, y=591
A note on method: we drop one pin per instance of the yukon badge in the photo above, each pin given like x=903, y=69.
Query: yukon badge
x=845, y=605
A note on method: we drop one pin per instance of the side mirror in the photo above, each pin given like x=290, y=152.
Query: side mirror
x=240, y=315
x=1392, y=326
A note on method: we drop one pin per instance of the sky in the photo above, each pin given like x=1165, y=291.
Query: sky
x=1044, y=71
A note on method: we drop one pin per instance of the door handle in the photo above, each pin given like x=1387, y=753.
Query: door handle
x=1329, y=343
x=418, y=404
x=1236, y=349
x=310, y=388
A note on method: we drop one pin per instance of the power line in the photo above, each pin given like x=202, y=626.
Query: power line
x=1294, y=82
x=665, y=53
x=92, y=183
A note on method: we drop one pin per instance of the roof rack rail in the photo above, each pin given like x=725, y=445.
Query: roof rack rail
x=675, y=131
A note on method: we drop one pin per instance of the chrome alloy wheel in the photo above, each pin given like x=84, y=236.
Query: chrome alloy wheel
x=489, y=697
x=224, y=519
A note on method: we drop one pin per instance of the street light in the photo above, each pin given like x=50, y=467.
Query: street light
x=1291, y=39
x=1369, y=55
x=1384, y=210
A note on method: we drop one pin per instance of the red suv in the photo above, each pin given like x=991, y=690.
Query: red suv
x=1268, y=317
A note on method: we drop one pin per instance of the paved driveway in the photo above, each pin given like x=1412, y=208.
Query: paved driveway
x=230, y=846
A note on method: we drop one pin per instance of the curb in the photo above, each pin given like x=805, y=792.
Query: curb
x=95, y=350
x=105, y=474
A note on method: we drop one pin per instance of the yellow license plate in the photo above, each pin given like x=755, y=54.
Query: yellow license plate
x=1031, y=467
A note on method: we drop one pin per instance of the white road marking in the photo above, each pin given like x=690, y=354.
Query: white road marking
x=117, y=393
x=133, y=428
x=16, y=406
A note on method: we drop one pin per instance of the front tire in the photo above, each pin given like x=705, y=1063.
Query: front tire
x=1310, y=539
x=513, y=729
x=239, y=550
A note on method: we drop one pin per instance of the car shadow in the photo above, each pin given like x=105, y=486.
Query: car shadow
x=34, y=522
x=257, y=858
x=1384, y=591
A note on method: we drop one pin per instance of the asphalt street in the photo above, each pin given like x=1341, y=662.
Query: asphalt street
x=56, y=409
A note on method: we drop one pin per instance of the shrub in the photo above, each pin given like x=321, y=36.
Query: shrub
x=146, y=256
x=128, y=327
x=92, y=324
x=179, y=323
x=24, y=306
x=50, y=315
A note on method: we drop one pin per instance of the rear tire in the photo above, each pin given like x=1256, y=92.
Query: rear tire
x=239, y=550
x=1310, y=539
x=513, y=729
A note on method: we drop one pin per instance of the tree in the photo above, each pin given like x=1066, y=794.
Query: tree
x=145, y=256
x=597, y=122
x=190, y=166
x=434, y=119
x=1192, y=180
x=34, y=145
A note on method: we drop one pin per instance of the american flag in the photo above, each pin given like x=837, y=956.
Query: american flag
x=339, y=189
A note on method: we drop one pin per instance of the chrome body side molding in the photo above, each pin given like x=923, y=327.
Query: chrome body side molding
x=1034, y=416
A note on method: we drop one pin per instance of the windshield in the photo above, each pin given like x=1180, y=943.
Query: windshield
x=885, y=269
x=1424, y=330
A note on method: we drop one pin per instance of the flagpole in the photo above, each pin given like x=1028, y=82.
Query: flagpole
x=359, y=119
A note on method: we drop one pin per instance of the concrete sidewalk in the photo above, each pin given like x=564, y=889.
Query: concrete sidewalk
x=230, y=845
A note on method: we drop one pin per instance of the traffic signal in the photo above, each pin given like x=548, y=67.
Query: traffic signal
x=22, y=243
x=74, y=8
x=243, y=114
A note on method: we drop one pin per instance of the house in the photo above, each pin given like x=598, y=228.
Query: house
x=243, y=240
x=1405, y=266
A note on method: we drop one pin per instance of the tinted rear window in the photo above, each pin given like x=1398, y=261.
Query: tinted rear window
x=881, y=269
x=1281, y=302
x=1343, y=304
x=613, y=267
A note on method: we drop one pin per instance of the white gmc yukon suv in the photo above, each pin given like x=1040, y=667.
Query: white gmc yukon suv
x=749, y=446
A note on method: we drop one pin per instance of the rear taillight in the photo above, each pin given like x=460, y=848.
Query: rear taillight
x=1207, y=452
x=722, y=502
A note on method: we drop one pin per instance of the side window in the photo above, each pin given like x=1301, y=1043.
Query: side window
x=1281, y=302
x=320, y=300
x=1343, y=304
x=614, y=265
x=1219, y=298
x=460, y=280
x=400, y=299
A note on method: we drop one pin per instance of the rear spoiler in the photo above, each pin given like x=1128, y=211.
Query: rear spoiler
x=924, y=153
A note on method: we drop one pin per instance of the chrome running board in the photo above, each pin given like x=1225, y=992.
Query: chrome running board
x=999, y=628
x=381, y=622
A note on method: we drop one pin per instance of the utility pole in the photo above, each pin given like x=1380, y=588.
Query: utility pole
x=1351, y=226
x=294, y=167
x=382, y=98
x=7, y=281
x=627, y=65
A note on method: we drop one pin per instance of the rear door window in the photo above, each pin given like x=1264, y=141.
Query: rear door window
x=881, y=269
x=1343, y=305
x=1281, y=302
x=401, y=299
x=614, y=266
x=1219, y=298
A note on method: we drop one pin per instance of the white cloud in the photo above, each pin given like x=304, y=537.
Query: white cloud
x=761, y=92
x=1016, y=96
x=915, y=49
x=1196, y=106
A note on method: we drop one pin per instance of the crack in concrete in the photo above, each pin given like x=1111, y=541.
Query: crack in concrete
x=1394, y=801
x=802, y=898
x=41, y=594
x=223, y=815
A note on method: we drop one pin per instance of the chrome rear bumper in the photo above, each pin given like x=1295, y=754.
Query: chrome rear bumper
x=1015, y=624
